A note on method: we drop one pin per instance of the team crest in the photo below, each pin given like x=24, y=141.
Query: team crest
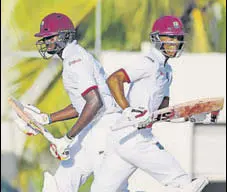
x=176, y=24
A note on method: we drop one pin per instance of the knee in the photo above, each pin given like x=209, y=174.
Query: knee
x=70, y=179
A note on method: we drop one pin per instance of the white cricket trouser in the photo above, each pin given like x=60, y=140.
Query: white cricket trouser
x=129, y=149
x=86, y=155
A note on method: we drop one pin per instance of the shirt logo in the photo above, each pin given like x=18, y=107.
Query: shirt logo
x=74, y=61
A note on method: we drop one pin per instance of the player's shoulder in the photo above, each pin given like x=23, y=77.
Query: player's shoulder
x=150, y=61
x=142, y=62
x=153, y=55
x=76, y=54
x=75, y=50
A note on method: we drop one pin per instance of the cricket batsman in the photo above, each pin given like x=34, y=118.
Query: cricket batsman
x=81, y=149
x=130, y=148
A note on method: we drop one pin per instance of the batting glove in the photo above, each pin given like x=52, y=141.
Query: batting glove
x=36, y=114
x=60, y=148
x=139, y=115
x=24, y=127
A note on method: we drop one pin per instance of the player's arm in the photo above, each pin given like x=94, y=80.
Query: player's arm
x=59, y=148
x=93, y=105
x=132, y=73
x=116, y=84
x=68, y=112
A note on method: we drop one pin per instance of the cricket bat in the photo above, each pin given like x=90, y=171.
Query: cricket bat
x=19, y=109
x=182, y=110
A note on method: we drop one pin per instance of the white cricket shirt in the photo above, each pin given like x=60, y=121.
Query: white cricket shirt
x=150, y=80
x=82, y=73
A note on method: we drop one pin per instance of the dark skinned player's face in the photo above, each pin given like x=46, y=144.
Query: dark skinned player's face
x=50, y=42
x=171, y=45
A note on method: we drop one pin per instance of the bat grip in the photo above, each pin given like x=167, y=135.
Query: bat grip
x=48, y=136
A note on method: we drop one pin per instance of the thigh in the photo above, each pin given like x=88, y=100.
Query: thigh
x=112, y=174
x=74, y=172
x=70, y=180
x=98, y=139
x=160, y=164
x=100, y=131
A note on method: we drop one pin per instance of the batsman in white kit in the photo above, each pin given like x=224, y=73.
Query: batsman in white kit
x=133, y=147
x=84, y=79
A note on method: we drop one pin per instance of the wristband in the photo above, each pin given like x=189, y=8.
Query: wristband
x=69, y=137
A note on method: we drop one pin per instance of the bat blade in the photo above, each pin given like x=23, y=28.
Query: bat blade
x=18, y=107
x=206, y=105
x=187, y=109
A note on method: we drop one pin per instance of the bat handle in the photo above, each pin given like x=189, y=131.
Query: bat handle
x=48, y=136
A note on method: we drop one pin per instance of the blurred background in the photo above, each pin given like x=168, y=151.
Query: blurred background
x=117, y=33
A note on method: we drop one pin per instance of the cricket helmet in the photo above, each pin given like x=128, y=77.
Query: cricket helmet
x=55, y=24
x=170, y=26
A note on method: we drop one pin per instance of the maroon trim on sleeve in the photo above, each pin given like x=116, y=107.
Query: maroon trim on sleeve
x=141, y=114
x=88, y=90
x=126, y=75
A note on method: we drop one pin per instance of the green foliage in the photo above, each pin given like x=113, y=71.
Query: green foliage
x=28, y=69
x=125, y=24
x=221, y=45
x=27, y=15
x=128, y=23
x=199, y=39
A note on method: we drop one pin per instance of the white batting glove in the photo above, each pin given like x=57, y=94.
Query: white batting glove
x=24, y=127
x=139, y=115
x=60, y=148
x=35, y=113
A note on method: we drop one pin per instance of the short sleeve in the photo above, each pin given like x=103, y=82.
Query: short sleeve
x=141, y=69
x=82, y=75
